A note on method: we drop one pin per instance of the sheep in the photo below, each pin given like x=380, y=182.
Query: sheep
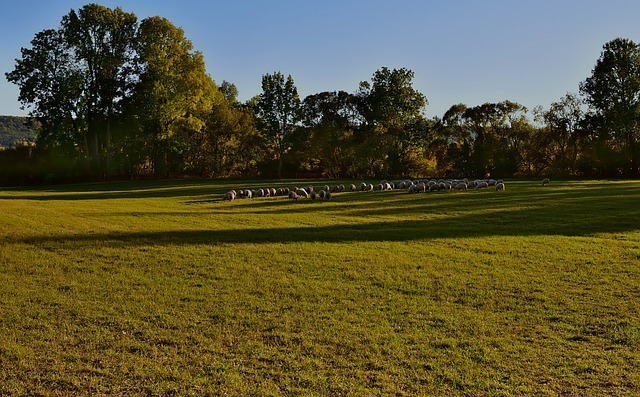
x=460, y=186
x=302, y=193
x=312, y=195
x=322, y=193
x=326, y=188
x=230, y=195
x=293, y=196
x=371, y=187
x=309, y=188
x=273, y=192
x=481, y=185
x=363, y=186
x=327, y=196
x=500, y=186
x=352, y=187
x=546, y=182
x=248, y=194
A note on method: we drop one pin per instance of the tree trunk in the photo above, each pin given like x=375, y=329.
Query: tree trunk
x=107, y=159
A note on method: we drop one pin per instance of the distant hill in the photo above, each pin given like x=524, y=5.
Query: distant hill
x=15, y=129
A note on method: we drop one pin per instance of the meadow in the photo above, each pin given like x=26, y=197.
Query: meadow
x=161, y=288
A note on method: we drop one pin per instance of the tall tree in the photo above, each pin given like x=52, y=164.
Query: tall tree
x=50, y=85
x=102, y=41
x=174, y=95
x=613, y=93
x=279, y=108
x=331, y=118
x=563, y=119
x=392, y=107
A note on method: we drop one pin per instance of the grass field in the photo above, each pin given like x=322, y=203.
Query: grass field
x=161, y=288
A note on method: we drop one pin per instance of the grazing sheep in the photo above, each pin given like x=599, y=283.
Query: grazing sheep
x=230, y=195
x=546, y=182
x=371, y=187
x=302, y=193
x=322, y=193
x=341, y=188
x=309, y=189
x=363, y=186
x=312, y=195
x=460, y=186
x=293, y=196
x=327, y=196
x=248, y=194
x=481, y=185
x=352, y=187
x=500, y=186
x=273, y=192
x=326, y=188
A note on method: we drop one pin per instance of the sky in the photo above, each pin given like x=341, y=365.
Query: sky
x=528, y=51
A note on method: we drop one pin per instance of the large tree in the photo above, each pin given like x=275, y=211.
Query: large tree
x=102, y=41
x=174, y=95
x=279, y=108
x=330, y=118
x=563, y=120
x=613, y=93
x=393, y=111
x=51, y=87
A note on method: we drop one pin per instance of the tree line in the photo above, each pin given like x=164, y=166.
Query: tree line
x=115, y=97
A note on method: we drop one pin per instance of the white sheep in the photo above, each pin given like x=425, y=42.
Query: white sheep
x=230, y=195
x=248, y=194
x=352, y=187
x=500, y=186
x=302, y=193
x=293, y=195
x=363, y=186
x=327, y=196
x=546, y=182
x=460, y=186
x=322, y=193
x=312, y=195
x=481, y=185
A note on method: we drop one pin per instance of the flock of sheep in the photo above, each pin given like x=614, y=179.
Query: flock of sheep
x=411, y=186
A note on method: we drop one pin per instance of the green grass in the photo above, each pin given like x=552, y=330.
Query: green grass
x=161, y=288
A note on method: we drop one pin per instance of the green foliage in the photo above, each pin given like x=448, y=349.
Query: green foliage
x=162, y=288
x=279, y=108
x=123, y=98
x=392, y=110
x=613, y=93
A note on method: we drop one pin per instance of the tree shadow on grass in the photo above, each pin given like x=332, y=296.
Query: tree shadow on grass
x=522, y=222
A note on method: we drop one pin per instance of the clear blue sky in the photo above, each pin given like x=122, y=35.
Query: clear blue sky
x=471, y=52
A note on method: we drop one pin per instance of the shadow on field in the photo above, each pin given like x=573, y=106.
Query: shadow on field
x=522, y=222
